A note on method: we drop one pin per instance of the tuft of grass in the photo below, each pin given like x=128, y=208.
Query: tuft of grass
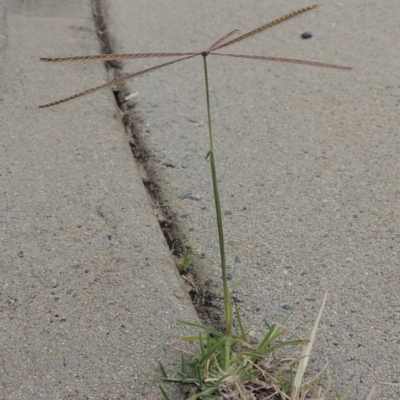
x=186, y=260
x=250, y=369
x=253, y=371
x=226, y=365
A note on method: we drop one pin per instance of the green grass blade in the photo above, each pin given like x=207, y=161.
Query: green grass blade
x=271, y=335
x=201, y=342
x=183, y=365
x=255, y=355
x=212, y=350
x=290, y=313
x=162, y=370
x=199, y=376
x=189, y=380
x=243, y=333
x=191, y=338
x=165, y=394
x=206, y=328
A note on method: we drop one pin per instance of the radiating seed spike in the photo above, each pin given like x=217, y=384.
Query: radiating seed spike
x=114, y=82
x=267, y=26
x=115, y=57
x=219, y=44
x=222, y=39
x=286, y=60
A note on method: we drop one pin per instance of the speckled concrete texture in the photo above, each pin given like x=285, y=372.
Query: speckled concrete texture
x=89, y=294
x=308, y=164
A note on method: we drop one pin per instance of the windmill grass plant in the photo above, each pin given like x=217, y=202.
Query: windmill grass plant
x=227, y=365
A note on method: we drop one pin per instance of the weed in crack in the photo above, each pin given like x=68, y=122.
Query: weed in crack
x=226, y=365
x=208, y=312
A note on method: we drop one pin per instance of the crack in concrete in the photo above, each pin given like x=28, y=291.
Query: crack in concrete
x=206, y=303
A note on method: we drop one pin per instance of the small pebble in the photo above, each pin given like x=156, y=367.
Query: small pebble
x=306, y=35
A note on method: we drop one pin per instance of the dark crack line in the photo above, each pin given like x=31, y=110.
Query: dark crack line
x=209, y=313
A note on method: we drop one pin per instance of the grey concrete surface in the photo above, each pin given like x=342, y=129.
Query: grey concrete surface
x=89, y=293
x=309, y=174
x=308, y=164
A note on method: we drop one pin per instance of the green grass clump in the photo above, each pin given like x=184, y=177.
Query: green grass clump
x=247, y=370
x=186, y=260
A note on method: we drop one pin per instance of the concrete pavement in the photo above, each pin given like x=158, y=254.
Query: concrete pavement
x=308, y=164
x=89, y=293
x=308, y=168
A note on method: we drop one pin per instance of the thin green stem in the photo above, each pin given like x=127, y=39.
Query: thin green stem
x=227, y=294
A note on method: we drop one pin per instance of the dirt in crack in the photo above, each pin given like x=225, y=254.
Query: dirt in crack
x=203, y=293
